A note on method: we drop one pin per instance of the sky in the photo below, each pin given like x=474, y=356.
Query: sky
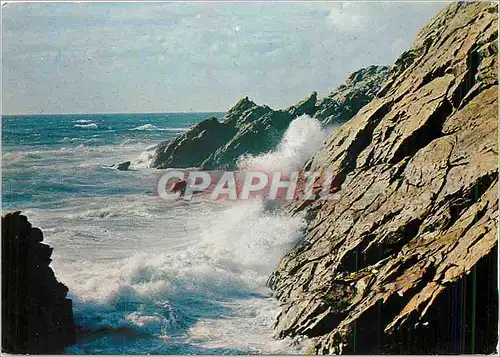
x=180, y=57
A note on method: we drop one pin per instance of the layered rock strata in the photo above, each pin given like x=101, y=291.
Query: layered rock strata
x=406, y=260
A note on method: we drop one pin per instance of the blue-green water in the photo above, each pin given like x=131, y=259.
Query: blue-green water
x=50, y=157
x=145, y=276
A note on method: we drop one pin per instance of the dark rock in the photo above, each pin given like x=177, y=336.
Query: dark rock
x=405, y=261
x=192, y=147
x=123, y=166
x=37, y=316
x=248, y=128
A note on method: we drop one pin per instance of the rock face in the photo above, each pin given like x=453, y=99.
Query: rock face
x=36, y=315
x=406, y=261
x=248, y=128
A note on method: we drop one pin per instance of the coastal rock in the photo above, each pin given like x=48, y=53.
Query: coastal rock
x=37, y=316
x=259, y=134
x=406, y=260
x=193, y=147
x=248, y=128
x=123, y=166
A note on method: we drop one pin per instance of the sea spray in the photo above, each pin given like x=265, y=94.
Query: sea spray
x=301, y=140
x=176, y=286
x=147, y=276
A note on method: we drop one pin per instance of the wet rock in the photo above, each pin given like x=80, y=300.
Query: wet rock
x=37, y=316
x=406, y=261
x=123, y=166
x=258, y=131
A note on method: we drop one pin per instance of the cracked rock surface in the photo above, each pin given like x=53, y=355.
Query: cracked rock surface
x=406, y=260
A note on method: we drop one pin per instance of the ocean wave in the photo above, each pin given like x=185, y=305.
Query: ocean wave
x=86, y=126
x=302, y=139
x=143, y=160
x=151, y=147
x=153, y=127
x=71, y=140
x=83, y=121
x=195, y=264
x=193, y=273
x=17, y=156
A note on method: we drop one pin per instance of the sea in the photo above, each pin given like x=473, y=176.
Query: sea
x=148, y=276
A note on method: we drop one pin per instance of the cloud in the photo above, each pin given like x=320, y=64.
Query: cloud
x=131, y=57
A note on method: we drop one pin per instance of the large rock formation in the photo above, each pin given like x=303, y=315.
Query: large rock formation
x=406, y=261
x=248, y=128
x=36, y=315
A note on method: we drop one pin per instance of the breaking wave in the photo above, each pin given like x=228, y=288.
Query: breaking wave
x=149, y=276
x=153, y=127
x=302, y=139
x=86, y=126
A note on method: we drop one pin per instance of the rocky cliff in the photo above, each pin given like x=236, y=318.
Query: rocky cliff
x=248, y=128
x=406, y=261
x=36, y=315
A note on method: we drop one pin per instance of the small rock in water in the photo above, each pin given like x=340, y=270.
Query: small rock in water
x=123, y=166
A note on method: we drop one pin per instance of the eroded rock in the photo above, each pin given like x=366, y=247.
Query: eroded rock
x=406, y=262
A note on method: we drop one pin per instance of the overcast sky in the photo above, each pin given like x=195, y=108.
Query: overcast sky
x=167, y=57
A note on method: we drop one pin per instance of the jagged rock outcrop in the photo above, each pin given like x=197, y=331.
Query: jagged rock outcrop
x=345, y=101
x=248, y=128
x=37, y=316
x=260, y=135
x=406, y=260
x=192, y=147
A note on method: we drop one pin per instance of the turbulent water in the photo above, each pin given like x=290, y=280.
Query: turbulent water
x=146, y=275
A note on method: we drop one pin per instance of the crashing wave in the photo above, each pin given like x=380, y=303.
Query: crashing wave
x=302, y=139
x=86, y=126
x=153, y=127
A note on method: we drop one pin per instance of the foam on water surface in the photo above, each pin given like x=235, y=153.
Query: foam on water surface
x=150, y=276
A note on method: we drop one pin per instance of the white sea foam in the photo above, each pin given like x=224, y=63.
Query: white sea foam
x=301, y=140
x=86, y=126
x=143, y=160
x=68, y=139
x=188, y=278
x=195, y=262
x=83, y=121
x=153, y=127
